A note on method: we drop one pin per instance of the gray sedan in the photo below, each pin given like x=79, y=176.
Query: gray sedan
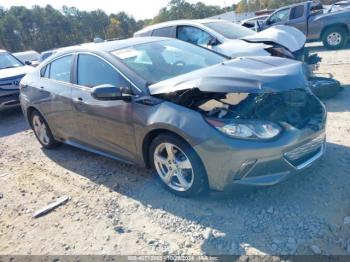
x=199, y=120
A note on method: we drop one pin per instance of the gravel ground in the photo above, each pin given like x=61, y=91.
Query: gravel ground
x=116, y=208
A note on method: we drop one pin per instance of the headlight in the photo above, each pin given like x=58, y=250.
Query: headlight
x=248, y=129
x=280, y=52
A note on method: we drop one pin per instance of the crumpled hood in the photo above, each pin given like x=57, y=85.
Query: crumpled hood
x=241, y=75
x=287, y=36
x=14, y=72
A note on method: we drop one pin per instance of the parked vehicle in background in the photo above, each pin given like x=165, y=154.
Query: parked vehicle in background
x=11, y=72
x=46, y=54
x=252, y=22
x=331, y=26
x=30, y=57
x=200, y=120
x=343, y=4
x=234, y=40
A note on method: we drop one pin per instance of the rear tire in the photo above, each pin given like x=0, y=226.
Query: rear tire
x=42, y=131
x=335, y=38
x=182, y=173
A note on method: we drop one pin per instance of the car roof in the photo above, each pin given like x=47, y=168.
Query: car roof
x=26, y=52
x=48, y=51
x=193, y=22
x=110, y=46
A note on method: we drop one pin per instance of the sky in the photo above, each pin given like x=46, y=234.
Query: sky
x=139, y=9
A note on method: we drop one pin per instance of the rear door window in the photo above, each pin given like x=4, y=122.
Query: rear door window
x=297, y=12
x=279, y=16
x=193, y=35
x=164, y=32
x=60, y=68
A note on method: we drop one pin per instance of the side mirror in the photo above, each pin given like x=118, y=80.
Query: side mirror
x=213, y=42
x=110, y=92
x=35, y=63
x=268, y=21
x=28, y=63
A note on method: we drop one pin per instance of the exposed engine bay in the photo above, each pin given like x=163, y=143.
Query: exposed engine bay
x=297, y=107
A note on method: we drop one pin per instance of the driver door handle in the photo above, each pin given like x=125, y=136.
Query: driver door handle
x=78, y=100
x=80, y=105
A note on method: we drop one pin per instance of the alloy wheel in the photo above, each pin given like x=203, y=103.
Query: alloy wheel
x=173, y=166
x=40, y=130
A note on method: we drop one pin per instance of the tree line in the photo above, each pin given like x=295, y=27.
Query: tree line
x=45, y=28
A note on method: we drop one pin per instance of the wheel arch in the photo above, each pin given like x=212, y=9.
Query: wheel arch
x=341, y=25
x=151, y=135
x=29, y=113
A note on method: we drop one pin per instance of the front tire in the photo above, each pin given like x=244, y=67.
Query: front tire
x=335, y=38
x=178, y=166
x=42, y=131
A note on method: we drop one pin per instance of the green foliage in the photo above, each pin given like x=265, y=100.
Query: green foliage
x=44, y=28
x=180, y=9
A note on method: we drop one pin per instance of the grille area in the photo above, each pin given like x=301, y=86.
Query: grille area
x=302, y=156
x=8, y=99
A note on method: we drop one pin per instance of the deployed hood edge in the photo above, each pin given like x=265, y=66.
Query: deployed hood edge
x=287, y=36
x=241, y=75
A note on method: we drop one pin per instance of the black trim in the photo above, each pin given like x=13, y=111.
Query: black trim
x=74, y=69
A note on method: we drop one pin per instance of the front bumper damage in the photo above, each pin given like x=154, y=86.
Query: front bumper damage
x=251, y=89
x=233, y=166
x=9, y=91
x=9, y=99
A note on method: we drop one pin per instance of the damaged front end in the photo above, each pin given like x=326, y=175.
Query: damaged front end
x=286, y=42
x=266, y=123
x=252, y=98
x=254, y=115
x=311, y=61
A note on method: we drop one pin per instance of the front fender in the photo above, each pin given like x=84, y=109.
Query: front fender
x=166, y=116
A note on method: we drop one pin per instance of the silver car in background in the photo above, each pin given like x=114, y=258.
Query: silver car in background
x=234, y=40
x=200, y=120
x=11, y=72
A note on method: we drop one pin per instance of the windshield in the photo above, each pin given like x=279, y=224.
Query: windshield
x=230, y=30
x=27, y=56
x=8, y=61
x=161, y=60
